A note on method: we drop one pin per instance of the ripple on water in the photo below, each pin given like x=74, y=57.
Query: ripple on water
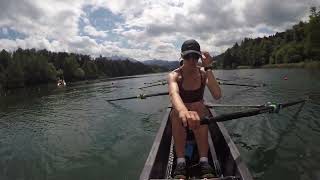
x=73, y=133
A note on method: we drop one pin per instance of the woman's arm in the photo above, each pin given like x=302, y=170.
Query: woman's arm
x=213, y=85
x=175, y=98
x=188, y=118
x=211, y=81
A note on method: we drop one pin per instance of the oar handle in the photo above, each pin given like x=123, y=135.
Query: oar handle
x=205, y=120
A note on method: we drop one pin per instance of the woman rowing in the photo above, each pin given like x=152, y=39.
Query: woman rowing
x=186, y=88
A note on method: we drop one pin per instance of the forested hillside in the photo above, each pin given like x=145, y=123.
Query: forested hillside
x=28, y=67
x=301, y=43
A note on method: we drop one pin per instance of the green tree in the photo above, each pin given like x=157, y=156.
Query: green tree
x=60, y=73
x=90, y=69
x=15, y=74
x=279, y=55
x=4, y=58
x=294, y=53
x=29, y=66
x=3, y=78
x=312, y=46
x=70, y=67
x=227, y=59
x=51, y=72
x=38, y=70
x=79, y=73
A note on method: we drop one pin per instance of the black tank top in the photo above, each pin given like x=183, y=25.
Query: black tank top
x=190, y=96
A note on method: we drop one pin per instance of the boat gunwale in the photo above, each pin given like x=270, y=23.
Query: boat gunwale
x=233, y=151
x=149, y=163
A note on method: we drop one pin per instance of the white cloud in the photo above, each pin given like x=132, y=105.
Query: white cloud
x=90, y=30
x=150, y=28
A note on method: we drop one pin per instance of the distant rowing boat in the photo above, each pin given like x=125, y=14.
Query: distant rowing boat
x=61, y=83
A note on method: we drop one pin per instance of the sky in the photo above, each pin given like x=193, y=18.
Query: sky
x=142, y=29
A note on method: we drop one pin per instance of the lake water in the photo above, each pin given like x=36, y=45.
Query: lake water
x=74, y=133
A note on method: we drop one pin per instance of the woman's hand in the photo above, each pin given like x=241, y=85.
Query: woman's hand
x=207, y=60
x=190, y=119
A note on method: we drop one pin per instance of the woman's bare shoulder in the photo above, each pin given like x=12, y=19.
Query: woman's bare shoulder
x=174, y=74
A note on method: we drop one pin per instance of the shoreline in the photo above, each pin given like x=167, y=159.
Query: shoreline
x=315, y=65
x=5, y=91
x=312, y=65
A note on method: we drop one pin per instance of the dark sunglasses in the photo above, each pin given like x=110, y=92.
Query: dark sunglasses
x=191, y=56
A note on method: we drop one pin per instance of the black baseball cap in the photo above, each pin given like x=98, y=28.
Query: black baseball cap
x=190, y=46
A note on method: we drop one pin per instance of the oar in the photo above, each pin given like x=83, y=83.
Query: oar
x=222, y=79
x=161, y=80
x=164, y=80
x=140, y=96
x=268, y=108
x=236, y=84
x=209, y=105
x=234, y=105
x=221, y=83
x=163, y=83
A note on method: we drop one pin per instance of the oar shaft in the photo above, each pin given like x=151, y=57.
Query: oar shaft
x=236, y=84
x=292, y=103
x=141, y=96
x=164, y=83
x=233, y=105
x=223, y=79
x=221, y=83
x=119, y=99
x=157, y=94
x=162, y=80
x=237, y=115
x=247, y=113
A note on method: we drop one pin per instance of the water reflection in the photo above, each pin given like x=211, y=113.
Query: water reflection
x=74, y=133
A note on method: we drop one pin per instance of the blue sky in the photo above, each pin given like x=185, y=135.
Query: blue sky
x=145, y=29
x=8, y=33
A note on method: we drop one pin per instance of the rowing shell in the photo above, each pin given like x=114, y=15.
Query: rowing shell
x=223, y=154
